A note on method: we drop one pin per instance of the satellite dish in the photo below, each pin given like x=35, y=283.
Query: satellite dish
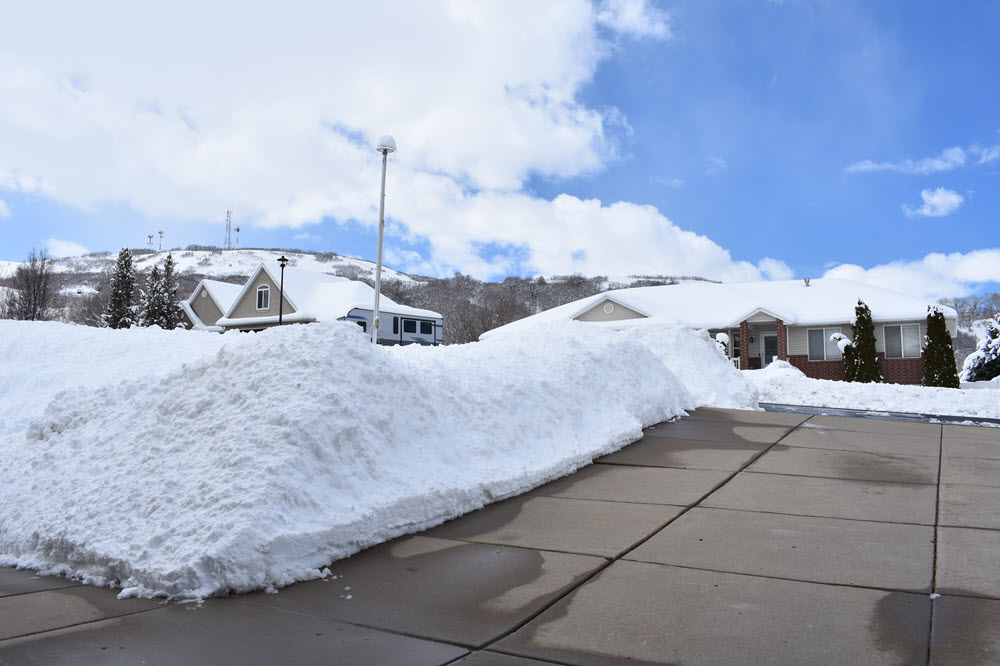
x=386, y=145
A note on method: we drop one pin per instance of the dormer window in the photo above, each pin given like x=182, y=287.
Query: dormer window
x=263, y=297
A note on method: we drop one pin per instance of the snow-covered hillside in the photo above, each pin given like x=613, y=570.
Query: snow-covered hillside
x=220, y=263
x=182, y=464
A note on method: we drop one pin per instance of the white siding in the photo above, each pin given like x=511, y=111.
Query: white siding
x=798, y=341
x=761, y=317
x=619, y=313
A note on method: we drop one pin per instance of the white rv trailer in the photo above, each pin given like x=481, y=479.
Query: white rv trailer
x=309, y=297
x=398, y=328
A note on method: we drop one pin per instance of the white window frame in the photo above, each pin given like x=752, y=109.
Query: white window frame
x=902, y=347
x=266, y=291
x=827, y=332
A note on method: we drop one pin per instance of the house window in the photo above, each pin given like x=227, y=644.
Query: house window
x=902, y=341
x=409, y=326
x=426, y=328
x=821, y=347
x=735, y=337
x=395, y=325
x=263, y=297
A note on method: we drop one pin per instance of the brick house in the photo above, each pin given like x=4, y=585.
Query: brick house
x=786, y=320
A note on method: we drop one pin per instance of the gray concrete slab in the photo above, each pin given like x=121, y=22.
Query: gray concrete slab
x=646, y=613
x=585, y=527
x=832, y=498
x=855, y=465
x=21, y=581
x=222, y=632
x=651, y=485
x=466, y=593
x=966, y=631
x=490, y=658
x=969, y=447
x=747, y=416
x=685, y=454
x=970, y=471
x=974, y=433
x=716, y=431
x=54, y=609
x=878, y=426
x=846, y=440
x=821, y=550
x=968, y=563
x=969, y=506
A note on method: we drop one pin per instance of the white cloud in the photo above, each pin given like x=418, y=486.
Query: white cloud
x=305, y=235
x=947, y=160
x=279, y=124
x=933, y=277
x=672, y=183
x=714, y=164
x=635, y=18
x=937, y=203
x=775, y=269
x=64, y=248
x=987, y=154
x=4, y=209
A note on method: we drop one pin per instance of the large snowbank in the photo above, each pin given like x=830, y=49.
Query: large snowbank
x=783, y=383
x=267, y=456
x=38, y=360
x=700, y=364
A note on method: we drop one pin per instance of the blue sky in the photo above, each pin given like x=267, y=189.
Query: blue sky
x=738, y=140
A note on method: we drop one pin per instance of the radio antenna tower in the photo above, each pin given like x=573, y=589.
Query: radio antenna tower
x=237, y=237
x=161, y=241
x=229, y=224
x=150, y=241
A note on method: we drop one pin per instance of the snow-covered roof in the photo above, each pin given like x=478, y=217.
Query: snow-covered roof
x=712, y=305
x=223, y=293
x=317, y=297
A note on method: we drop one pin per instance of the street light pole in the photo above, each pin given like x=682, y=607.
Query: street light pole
x=385, y=146
x=281, y=290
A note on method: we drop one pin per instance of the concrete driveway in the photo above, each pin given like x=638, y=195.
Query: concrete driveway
x=724, y=538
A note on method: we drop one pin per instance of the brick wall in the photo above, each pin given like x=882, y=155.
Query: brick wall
x=745, y=346
x=901, y=370
x=782, y=341
x=754, y=363
x=819, y=369
x=894, y=370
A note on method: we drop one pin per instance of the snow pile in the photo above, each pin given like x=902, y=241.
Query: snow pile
x=40, y=359
x=783, y=383
x=700, y=364
x=291, y=448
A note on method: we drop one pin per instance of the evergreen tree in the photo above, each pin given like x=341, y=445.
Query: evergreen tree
x=153, y=303
x=121, y=306
x=171, y=305
x=984, y=363
x=939, y=355
x=861, y=363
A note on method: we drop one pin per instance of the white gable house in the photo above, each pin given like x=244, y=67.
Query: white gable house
x=310, y=297
x=209, y=301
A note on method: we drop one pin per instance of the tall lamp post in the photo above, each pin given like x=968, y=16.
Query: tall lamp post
x=385, y=146
x=281, y=290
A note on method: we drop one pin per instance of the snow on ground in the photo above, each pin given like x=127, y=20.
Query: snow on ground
x=265, y=457
x=783, y=383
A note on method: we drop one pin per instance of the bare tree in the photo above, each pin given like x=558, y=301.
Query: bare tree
x=31, y=295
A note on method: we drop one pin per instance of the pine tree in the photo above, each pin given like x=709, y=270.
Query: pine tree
x=863, y=366
x=171, y=306
x=153, y=301
x=984, y=363
x=939, y=355
x=121, y=306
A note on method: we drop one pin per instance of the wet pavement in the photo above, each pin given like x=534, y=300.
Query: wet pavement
x=723, y=538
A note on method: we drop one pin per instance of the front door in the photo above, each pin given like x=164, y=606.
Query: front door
x=768, y=348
